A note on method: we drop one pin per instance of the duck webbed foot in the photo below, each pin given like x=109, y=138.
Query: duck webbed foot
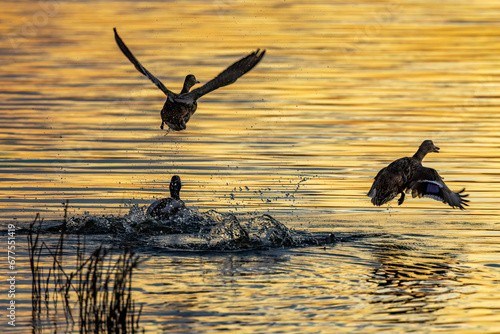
x=401, y=199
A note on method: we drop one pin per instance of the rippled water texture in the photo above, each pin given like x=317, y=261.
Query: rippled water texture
x=345, y=88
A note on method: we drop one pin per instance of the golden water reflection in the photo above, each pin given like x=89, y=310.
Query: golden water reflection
x=344, y=89
x=337, y=98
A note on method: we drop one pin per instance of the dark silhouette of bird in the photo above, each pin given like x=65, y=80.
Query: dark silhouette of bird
x=408, y=175
x=179, y=108
x=167, y=207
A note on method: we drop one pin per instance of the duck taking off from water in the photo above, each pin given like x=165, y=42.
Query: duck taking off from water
x=166, y=207
x=179, y=108
x=408, y=175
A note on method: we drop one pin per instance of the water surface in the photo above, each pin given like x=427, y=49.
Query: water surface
x=344, y=89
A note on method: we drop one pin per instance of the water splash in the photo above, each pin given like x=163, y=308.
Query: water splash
x=195, y=230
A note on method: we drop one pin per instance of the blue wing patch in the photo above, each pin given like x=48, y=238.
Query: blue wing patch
x=432, y=188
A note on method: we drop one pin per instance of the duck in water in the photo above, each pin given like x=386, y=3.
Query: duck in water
x=179, y=108
x=167, y=207
x=408, y=175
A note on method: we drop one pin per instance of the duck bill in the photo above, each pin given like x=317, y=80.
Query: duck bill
x=436, y=149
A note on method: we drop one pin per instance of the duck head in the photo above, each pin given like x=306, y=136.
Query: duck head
x=428, y=146
x=175, y=187
x=189, y=82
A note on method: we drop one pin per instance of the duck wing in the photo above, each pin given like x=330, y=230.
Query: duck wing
x=427, y=183
x=226, y=77
x=138, y=65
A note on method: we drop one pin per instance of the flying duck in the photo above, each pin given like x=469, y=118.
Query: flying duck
x=179, y=108
x=408, y=175
x=166, y=207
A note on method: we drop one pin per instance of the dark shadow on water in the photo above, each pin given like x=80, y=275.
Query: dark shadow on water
x=413, y=282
